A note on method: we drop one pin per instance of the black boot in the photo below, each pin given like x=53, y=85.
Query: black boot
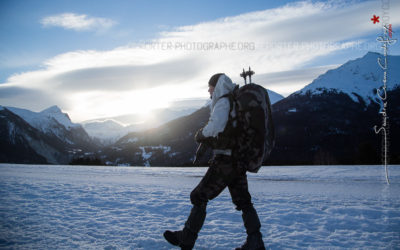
x=186, y=238
x=252, y=224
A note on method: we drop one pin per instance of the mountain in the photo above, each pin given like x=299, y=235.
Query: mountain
x=106, y=131
x=46, y=119
x=52, y=121
x=357, y=78
x=109, y=130
x=171, y=144
x=22, y=143
x=331, y=120
x=50, y=134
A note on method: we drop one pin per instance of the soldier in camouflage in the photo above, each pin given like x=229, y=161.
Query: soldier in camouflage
x=223, y=172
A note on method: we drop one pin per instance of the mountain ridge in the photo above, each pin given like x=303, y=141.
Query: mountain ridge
x=357, y=78
x=50, y=133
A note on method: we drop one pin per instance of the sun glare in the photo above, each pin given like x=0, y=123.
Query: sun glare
x=108, y=104
x=104, y=104
x=143, y=102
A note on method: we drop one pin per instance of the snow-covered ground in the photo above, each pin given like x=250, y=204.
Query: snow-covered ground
x=318, y=207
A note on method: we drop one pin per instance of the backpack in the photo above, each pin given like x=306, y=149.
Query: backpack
x=253, y=125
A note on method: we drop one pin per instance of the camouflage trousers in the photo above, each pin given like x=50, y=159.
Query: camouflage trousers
x=222, y=173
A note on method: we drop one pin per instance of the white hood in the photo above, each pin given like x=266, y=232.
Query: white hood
x=223, y=87
x=219, y=107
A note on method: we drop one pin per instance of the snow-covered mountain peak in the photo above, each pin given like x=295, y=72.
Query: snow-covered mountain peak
x=51, y=110
x=56, y=113
x=46, y=120
x=359, y=77
x=112, y=122
x=101, y=124
x=107, y=131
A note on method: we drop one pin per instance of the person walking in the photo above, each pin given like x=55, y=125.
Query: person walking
x=223, y=172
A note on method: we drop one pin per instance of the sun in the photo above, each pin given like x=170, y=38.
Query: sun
x=143, y=102
x=105, y=104
x=100, y=104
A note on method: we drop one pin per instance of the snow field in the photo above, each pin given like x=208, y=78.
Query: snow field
x=302, y=207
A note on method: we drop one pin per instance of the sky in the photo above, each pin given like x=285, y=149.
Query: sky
x=109, y=58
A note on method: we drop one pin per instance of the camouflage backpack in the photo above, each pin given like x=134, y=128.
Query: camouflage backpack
x=255, y=133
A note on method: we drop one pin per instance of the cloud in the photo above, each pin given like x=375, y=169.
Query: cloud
x=30, y=98
x=11, y=92
x=277, y=43
x=77, y=22
x=121, y=78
